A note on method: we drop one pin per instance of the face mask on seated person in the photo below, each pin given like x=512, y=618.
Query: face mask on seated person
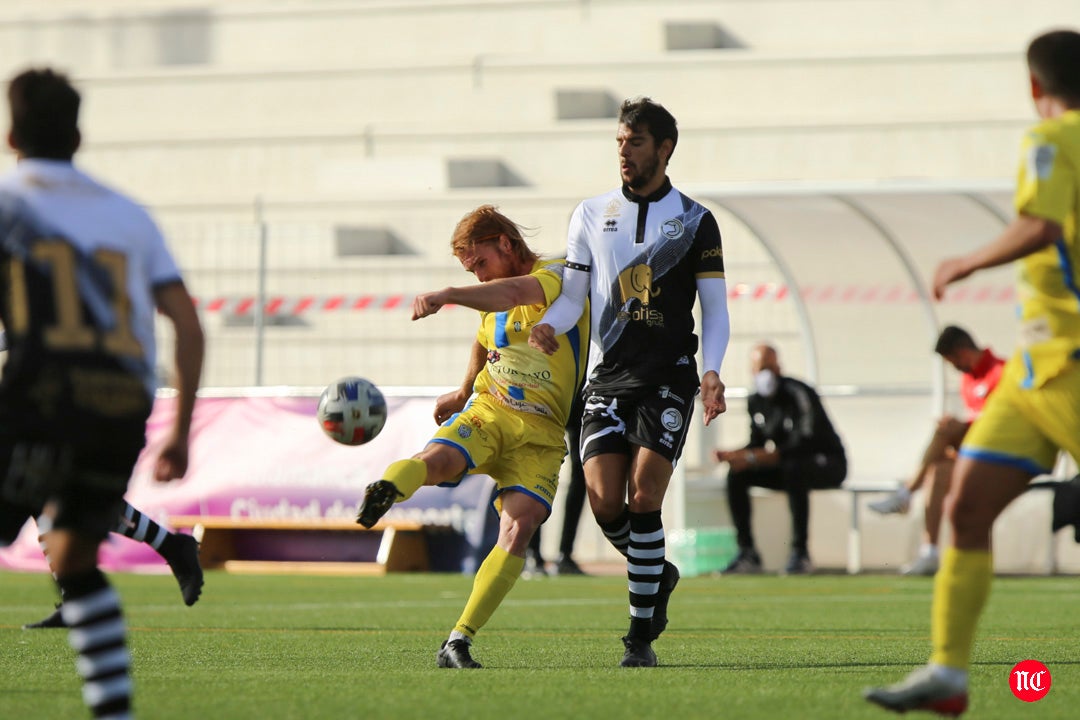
x=766, y=382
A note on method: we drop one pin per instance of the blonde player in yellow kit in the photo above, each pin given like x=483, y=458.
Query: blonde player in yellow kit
x=508, y=418
x=1035, y=411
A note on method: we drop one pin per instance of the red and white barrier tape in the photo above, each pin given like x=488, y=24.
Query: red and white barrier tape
x=840, y=294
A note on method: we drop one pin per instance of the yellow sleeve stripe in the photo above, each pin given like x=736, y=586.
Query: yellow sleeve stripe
x=710, y=275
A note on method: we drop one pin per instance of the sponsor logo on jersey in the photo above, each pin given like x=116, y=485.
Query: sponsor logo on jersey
x=712, y=253
x=665, y=392
x=521, y=405
x=652, y=318
x=493, y=356
x=611, y=226
x=542, y=489
x=533, y=378
x=671, y=419
x=672, y=229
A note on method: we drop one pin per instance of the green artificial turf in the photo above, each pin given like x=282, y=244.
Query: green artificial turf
x=265, y=647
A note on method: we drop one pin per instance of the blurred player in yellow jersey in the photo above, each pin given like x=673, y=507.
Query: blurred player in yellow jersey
x=507, y=419
x=1035, y=411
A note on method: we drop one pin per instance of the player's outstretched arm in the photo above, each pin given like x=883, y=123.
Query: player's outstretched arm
x=174, y=302
x=490, y=296
x=1023, y=236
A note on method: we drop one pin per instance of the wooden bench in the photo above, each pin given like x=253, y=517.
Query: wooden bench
x=256, y=545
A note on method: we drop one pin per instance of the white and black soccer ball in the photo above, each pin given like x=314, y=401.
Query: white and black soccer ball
x=352, y=410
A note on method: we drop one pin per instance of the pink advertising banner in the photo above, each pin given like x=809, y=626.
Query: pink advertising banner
x=267, y=457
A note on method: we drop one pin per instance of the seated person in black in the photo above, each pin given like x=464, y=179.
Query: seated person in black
x=793, y=447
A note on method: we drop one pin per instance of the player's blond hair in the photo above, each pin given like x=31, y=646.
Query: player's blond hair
x=486, y=224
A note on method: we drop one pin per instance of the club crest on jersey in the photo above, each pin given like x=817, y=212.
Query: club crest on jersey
x=671, y=419
x=1041, y=161
x=672, y=229
x=493, y=357
x=636, y=283
x=464, y=431
x=613, y=209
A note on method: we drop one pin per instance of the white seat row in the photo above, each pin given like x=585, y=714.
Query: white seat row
x=113, y=35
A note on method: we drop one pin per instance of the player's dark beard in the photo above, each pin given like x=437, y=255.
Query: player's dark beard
x=645, y=173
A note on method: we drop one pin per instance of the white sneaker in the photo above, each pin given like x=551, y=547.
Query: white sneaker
x=922, y=565
x=921, y=690
x=896, y=503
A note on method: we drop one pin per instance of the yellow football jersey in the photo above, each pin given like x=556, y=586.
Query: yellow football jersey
x=1048, y=282
x=522, y=377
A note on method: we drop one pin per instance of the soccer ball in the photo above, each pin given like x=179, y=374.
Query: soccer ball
x=352, y=410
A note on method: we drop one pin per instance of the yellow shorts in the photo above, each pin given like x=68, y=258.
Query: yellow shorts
x=519, y=451
x=1026, y=428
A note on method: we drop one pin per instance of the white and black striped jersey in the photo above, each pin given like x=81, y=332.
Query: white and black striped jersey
x=79, y=264
x=645, y=255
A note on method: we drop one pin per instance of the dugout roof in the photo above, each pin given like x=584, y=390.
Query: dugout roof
x=863, y=258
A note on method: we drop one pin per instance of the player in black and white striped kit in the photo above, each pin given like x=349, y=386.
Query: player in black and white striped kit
x=83, y=270
x=643, y=253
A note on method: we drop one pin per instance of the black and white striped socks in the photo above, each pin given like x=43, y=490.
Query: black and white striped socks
x=138, y=526
x=644, y=566
x=96, y=632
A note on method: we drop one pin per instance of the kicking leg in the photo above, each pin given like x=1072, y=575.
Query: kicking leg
x=435, y=464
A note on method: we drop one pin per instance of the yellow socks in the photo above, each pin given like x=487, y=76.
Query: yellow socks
x=961, y=588
x=497, y=574
x=408, y=476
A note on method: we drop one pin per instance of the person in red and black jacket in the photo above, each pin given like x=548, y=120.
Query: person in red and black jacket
x=981, y=371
